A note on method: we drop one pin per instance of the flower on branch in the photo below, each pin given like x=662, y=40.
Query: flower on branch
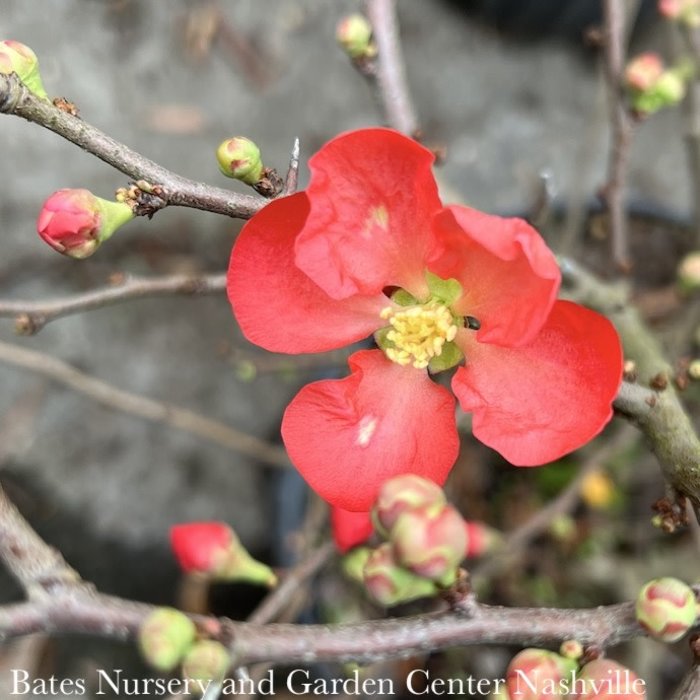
x=368, y=248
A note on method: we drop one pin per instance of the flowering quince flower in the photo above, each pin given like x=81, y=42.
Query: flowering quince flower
x=369, y=248
x=350, y=528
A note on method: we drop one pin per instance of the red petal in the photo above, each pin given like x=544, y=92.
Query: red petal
x=509, y=276
x=536, y=403
x=196, y=545
x=372, y=195
x=348, y=436
x=277, y=306
x=350, y=528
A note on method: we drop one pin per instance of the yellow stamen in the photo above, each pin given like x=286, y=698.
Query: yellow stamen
x=418, y=333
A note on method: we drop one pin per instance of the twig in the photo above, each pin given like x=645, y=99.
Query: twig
x=390, y=75
x=32, y=316
x=689, y=689
x=658, y=414
x=621, y=131
x=133, y=404
x=290, y=183
x=173, y=189
x=563, y=503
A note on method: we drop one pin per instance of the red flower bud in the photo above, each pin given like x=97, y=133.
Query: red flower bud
x=389, y=583
x=403, y=493
x=431, y=542
x=76, y=222
x=666, y=608
x=604, y=679
x=536, y=674
x=350, y=528
x=164, y=638
x=481, y=539
x=643, y=71
x=16, y=57
x=206, y=661
x=215, y=550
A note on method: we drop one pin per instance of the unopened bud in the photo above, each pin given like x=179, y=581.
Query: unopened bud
x=481, y=539
x=350, y=528
x=643, y=71
x=76, y=222
x=651, y=87
x=684, y=11
x=431, y=542
x=354, y=34
x=213, y=549
x=533, y=673
x=164, y=638
x=16, y=57
x=353, y=563
x=603, y=679
x=240, y=158
x=389, y=583
x=207, y=660
x=571, y=649
x=689, y=272
x=666, y=608
x=401, y=494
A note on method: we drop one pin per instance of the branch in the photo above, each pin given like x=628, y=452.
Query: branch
x=621, y=130
x=658, y=414
x=174, y=189
x=390, y=75
x=133, y=404
x=32, y=316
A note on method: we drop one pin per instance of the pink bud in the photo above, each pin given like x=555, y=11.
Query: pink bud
x=350, y=528
x=666, y=608
x=538, y=674
x=604, y=679
x=431, y=542
x=481, y=539
x=201, y=546
x=16, y=57
x=643, y=71
x=70, y=222
x=402, y=493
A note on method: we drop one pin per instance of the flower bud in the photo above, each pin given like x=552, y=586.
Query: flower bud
x=689, y=272
x=571, y=649
x=597, y=489
x=431, y=542
x=354, y=35
x=684, y=11
x=353, y=563
x=389, y=583
x=403, y=493
x=350, y=528
x=666, y=608
x=206, y=661
x=481, y=539
x=240, y=158
x=643, y=71
x=164, y=638
x=214, y=549
x=16, y=57
x=603, y=679
x=76, y=222
x=535, y=674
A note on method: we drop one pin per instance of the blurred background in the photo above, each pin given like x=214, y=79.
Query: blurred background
x=513, y=91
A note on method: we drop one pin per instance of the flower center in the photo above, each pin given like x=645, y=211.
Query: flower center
x=418, y=333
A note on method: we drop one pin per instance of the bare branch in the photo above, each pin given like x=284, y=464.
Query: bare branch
x=133, y=404
x=390, y=75
x=32, y=316
x=290, y=183
x=174, y=189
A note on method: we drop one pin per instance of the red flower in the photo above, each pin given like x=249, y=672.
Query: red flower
x=200, y=546
x=350, y=528
x=369, y=248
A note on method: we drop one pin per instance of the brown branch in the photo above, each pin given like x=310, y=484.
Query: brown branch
x=658, y=414
x=621, y=125
x=174, y=189
x=390, y=75
x=31, y=316
x=290, y=182
x=133, y=404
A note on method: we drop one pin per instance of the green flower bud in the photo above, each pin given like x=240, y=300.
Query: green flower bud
x=689, y=272
x=240, y=158
x=16, y=57
x=354, y=35
x=354, y=561
x=403, y=493
x=389, y=583
x=164, y=638
x=666, y=608
x=571, y=649
x=604, y=679
x=431, y=542
x=206, y=661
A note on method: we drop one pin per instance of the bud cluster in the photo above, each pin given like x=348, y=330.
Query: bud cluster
x=652, y=86
x=212, y=550
x=682, y=11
